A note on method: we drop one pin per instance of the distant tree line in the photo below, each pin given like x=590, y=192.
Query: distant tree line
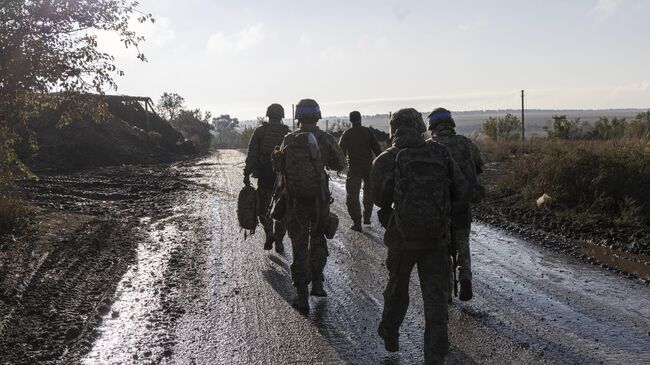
x=508, y=128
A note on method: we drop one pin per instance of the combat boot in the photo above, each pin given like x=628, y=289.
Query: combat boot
x=391, y=341
x=317, y=289
x=465, y=293
x=301, y=300
x=279, y=246
x=356, y=227
x=268, y=244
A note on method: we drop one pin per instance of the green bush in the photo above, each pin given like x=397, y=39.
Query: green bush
x=503, y=128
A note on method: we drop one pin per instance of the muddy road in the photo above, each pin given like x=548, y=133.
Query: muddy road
x=191, y=290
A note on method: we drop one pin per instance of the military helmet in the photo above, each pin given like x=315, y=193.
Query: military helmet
x=275, y=111
x=407, y=118
x=440, y=116
x=308, y=110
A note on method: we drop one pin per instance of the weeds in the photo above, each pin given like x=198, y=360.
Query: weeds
x=608, y=180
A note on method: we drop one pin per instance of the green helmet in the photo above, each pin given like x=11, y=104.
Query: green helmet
x=308, y=111
x=275, y=111
x=407, y=118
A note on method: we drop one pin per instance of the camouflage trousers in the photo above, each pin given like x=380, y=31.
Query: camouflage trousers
x=433, y=270
x=271, y=227
x=305, y=227
x=353, y=188
x=464, y=259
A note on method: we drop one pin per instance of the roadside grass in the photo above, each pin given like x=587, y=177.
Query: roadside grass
x=589, y=180
x=13, y=214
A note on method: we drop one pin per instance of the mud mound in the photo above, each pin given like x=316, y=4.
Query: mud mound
x=130, y=135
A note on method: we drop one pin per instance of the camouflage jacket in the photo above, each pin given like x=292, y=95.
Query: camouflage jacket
x=383, y=178
x=360, y=145
x=464, y=151
x=263, y=141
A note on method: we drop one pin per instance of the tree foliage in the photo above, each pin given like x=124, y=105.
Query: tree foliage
x=226, y=130
x=502, y=128
x=563, y=128
x=49, y=58
x=170, y=104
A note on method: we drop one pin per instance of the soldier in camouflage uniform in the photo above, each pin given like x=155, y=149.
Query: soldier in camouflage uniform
x=468, y=157
x=258, y=163
x=360, y=145
x=407, y=245
x=307, y=217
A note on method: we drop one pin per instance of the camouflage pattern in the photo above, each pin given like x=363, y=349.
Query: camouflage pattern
x=468, y=157
x=430, y=255
x=433, y=271
x=360, y=146
x=306, y=217
x=258, y=163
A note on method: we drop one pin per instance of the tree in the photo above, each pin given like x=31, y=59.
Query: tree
x=51, y=46
x=563, y=128
x=225, y=128
x=640, y=126
x=502, y=128
x=170, y=104
x=606, y=129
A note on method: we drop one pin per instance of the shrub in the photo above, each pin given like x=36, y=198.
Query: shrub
x=604, y=179
x=502, y=128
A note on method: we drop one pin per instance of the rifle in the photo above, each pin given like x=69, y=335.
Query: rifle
x=454, y=260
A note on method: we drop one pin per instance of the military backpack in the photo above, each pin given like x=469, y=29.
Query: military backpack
x=300, y=163
x=422, y=193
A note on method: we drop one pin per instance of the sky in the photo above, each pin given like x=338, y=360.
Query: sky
x=236, y=57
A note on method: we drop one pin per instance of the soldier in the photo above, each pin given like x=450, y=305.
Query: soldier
x=305, y=154
x=468, y=157
x=258, y=163
x=360, y=145
x=415, y=184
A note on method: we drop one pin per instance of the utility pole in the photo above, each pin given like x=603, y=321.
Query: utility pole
x=293, y=117
x=523, y=131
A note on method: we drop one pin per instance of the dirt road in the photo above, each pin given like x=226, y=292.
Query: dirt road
x=196, y=292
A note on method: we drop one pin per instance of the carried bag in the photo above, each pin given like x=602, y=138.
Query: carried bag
x=247, y=209
x=331, y=226
x=422, y=196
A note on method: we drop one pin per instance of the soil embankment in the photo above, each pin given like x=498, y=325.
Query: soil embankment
x=621, y=249
x=128, y=135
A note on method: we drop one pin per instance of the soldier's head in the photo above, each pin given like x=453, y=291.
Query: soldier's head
x=441, y=119
x=408, y=118
x=275, y=112
x=308, y=111
x=355, y=118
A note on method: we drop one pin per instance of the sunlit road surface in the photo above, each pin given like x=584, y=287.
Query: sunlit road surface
x=201, y=294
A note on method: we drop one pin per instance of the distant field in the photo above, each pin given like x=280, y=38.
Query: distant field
x=469, y=122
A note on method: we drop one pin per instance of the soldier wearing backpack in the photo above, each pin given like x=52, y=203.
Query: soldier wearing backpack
x=415, y=185
x=360, y=145
x=258, y=163
x=468, y=157
x=301, y=161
